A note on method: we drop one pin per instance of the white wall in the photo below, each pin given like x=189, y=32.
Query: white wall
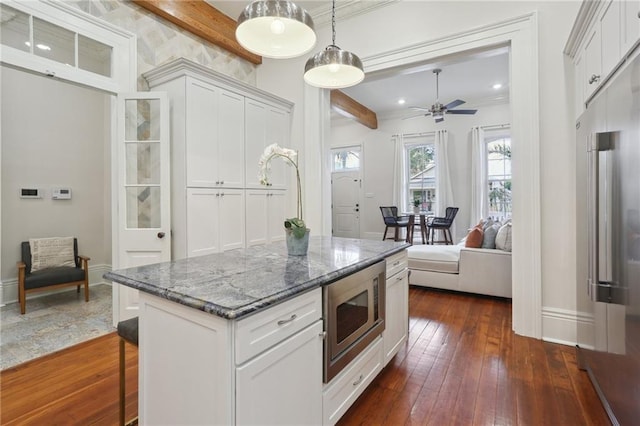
x=378, y=154
x=406, y=23
x=54, y=134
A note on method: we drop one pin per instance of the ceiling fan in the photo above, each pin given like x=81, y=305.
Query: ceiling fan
x=438, y=110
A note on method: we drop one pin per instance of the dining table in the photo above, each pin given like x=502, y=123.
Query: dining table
x=424, y=229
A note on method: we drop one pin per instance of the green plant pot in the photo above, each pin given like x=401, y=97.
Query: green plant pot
x=297, y=246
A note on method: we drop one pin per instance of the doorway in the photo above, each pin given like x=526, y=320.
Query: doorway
x=345, y=203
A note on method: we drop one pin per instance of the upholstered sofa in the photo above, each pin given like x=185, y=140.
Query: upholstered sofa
x=458, y=268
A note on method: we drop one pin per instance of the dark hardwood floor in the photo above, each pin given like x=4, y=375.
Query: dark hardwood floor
x=462, y=365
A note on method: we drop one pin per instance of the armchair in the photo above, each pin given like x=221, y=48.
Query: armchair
x=443, y=224
x=392, y=220
x=52, y=277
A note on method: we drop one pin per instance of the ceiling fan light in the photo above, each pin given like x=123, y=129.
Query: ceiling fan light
x=333, y=68
x=275, y=29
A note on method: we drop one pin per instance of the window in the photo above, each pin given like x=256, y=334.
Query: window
x=499, y=177
x=345, y=159
x=421, y=176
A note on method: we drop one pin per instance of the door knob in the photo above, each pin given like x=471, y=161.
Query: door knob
x=161, y=234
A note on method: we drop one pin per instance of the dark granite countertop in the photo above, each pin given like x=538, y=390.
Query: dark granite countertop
x=240, y=282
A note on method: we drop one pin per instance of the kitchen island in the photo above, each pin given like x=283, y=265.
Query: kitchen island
x=237, y=337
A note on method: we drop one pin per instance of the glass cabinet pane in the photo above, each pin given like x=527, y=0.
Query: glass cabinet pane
x=54, y=42
x=14, y=28
x=142, y=120
x=94, y=56
x=143, y=163
x=143, y=207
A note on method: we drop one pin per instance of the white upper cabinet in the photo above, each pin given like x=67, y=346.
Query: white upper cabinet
x=630, y=20
x=610, y=37
x=214, y=136
x=604, y=34
x=265, y=125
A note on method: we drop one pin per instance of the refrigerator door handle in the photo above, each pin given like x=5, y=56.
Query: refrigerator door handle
x=602, y=287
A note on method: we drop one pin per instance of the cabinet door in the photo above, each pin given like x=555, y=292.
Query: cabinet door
x=397, y=312
x=231, y=140
x=278, y=132
x=255, y=125
x=284, y=384
x=610, y=37
x=231, y=219
x=202, y=221
x=578, y=80
x=630, y=25
x=276, y=215
x=592, y=62
x=202, y=135
x=256, y=217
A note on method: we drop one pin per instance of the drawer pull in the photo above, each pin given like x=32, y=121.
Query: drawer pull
x=283, y=322
x=399, y=278
x=357, y=382
x=396, y=263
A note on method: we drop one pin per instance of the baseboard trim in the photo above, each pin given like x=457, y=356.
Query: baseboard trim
x=9, y=288
x=565, y=326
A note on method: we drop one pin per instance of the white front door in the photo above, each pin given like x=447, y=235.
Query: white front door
x=143, y=185
x=345, y=199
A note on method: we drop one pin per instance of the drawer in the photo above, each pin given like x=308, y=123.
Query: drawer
x=265, y=329
x=397, y=263
x=347, y=386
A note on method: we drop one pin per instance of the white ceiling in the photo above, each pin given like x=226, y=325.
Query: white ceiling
x=469, y=77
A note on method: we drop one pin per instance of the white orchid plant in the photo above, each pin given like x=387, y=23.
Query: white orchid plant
x=296, y=224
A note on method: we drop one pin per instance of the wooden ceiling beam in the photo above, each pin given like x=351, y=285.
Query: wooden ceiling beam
x=202, y=19
x=349, y=107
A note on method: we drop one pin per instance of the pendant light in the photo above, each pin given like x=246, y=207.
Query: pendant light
x=333, y=68
x=275, y=29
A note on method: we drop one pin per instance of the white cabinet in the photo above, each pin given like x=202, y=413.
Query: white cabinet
x=397, y=305
x=215, y=220
x=611, y=30
x=592, y=62
x=265, y=125
x=219, y=129
x=284, y=384
x=214, y=136
x=265, y=216
x=630, y=20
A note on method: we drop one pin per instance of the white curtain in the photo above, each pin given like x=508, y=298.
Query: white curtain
x=443, y=177
x=479, y=208
x=399, y=178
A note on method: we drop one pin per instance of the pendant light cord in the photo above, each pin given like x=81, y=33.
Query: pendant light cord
x=333, y=23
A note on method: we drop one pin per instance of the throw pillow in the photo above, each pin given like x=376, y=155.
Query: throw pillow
x=51, y=252
x=503, y=238
x=474, y=238
x=489, y=239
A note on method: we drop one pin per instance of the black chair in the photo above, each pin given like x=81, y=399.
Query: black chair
x=128, y=332
x=50, y=278
x=443, y=224
x=392, y=220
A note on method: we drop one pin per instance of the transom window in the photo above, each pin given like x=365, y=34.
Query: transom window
x=345, y=159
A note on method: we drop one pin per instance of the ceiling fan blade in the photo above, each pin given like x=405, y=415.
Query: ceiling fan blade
x=420, y=108
x=454, y=104
x=439, y=119
x=462, y=111
x=416, y=116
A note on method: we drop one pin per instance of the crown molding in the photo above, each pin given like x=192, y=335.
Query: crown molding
x=346, y=9
x=587, y=13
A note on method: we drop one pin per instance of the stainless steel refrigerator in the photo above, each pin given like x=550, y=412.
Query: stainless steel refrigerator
x=608, y=211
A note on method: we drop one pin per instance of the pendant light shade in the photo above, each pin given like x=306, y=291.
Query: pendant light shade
x=333, y=68
x=275, y=29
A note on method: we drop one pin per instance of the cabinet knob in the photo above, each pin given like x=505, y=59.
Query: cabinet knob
x=594, y=78
x=161, y=235
x=221, y=182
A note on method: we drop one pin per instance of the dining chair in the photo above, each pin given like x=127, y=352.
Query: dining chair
x=392, y=220
x=443, y=224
